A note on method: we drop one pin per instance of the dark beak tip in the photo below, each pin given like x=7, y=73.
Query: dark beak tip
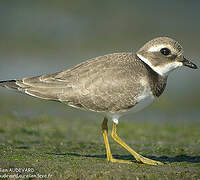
x=193, y=66
x=196, y=67
x=189, y=64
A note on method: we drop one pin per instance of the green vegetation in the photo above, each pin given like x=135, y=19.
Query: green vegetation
x=74, y=149
x=42, y=37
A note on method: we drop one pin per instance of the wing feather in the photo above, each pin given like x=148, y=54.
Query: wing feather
x=99, y=84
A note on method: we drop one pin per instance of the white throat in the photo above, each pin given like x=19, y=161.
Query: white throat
x=163, y=70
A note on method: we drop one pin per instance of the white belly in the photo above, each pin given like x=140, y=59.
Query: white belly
x=144, y=99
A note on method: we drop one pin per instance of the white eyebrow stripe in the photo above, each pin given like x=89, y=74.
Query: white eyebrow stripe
x=156, y=48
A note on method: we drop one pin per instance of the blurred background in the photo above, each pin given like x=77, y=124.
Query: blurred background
x=40, y=37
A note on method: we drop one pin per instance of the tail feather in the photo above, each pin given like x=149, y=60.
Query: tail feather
x=35, y=87
x=44, y=87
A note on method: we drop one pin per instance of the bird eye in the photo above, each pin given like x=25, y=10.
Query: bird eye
x=165, y=51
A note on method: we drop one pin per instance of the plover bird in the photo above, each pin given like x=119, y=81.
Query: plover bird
x=113, y=85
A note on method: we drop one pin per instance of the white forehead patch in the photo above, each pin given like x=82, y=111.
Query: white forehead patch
x=163, y=70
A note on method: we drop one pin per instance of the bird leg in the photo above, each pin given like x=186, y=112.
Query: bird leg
x=137, y=156
x=108, y=151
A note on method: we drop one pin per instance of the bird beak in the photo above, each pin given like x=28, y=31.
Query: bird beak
x=189, y=63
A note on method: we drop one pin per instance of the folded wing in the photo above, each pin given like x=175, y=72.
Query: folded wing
x=99, y=84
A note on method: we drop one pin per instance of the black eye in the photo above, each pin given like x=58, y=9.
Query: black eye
x=165, y=51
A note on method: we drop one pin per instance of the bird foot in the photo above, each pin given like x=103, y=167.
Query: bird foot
x=148, y=161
